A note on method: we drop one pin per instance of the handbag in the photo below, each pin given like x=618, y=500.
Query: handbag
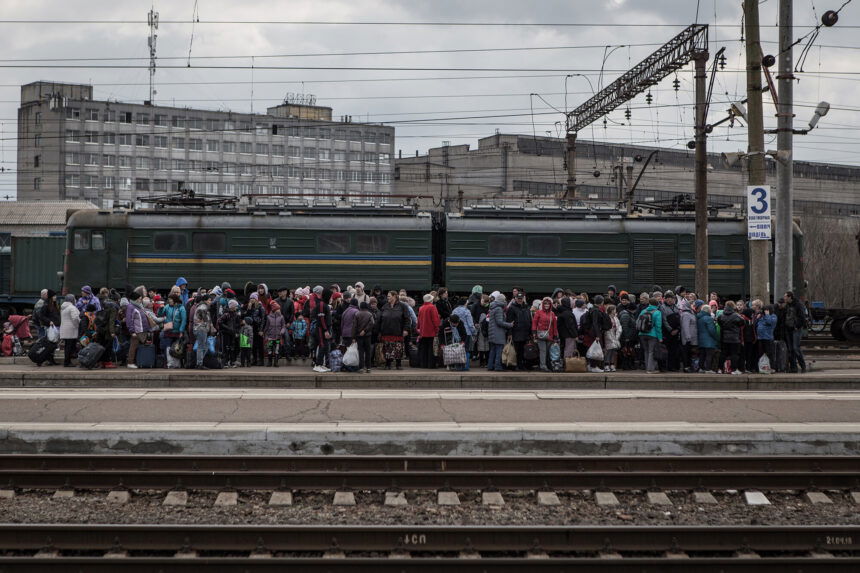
x=595, y=351
x=542, y=334
x=509, y=355
x=575, y=364
x=350, y=357
x=454, y=354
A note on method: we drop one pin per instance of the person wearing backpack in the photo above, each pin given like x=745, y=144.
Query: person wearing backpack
x=594, y=325
x=649, y=325
x=567, y=330
x=795, y=322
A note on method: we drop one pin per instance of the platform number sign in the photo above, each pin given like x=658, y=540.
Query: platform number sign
x=758, y=212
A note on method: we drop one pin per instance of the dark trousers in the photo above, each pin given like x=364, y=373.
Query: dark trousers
x=320, y=351
x=520, y=347
x=673, y=345
x=766, y=347
x=795, y=355
x=426, y=359
x=750, y=357
x=257, y=351
x=732, y=353
x=365, y=355
x=69, y=350
x=706, y=359
x=687, y=355
x=245, y=354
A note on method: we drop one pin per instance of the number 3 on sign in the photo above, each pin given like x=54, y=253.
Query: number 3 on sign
x=761, y=200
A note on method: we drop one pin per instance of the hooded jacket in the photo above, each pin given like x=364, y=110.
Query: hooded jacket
x=706, y=330
x=274, y=326
x=545, y=320
x=394, y=319
x=689, y=333
x=730, y=326
x=566, y=321
x=347, y=320
x=134, y=319
x=70, y=319
x=183, y=292
x=521, y=317
x=362, y=321
x=466, y=320
x=497, y=326
x=656, y=322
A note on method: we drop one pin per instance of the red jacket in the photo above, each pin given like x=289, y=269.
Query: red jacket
x=428, y=320
x=545, y=320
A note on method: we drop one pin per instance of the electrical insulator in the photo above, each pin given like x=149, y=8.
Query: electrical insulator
x=627, y=114
x=722, y=61
x=676, y=83
x=604, y=122
x=649, y=98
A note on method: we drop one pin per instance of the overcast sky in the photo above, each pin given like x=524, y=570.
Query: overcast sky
x=453, y=100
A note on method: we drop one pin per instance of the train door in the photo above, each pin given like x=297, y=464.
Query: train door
x=654, y=261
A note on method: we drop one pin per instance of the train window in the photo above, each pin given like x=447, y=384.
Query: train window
x=505, y=245
x=209, y=241
x=98, y=240
x=169, y=241
x=371, y=243
x=82, y=240
x=543, y=246
x=333, y=243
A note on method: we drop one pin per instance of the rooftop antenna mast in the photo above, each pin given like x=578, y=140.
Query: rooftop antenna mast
x=152, y=20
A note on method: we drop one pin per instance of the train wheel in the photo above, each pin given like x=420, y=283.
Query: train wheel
x=836, y=329
x=851, y=329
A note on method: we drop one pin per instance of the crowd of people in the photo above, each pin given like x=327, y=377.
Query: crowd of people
x=356, y=329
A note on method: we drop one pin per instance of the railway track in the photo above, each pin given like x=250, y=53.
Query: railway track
x=423, y=548
x=315, y=473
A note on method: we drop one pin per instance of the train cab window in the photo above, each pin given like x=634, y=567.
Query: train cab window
x=333, y=243
x=543, y=246
x=169, y=241
x=505, y=245
x=371, y=243
x=209, y=241
x=97, y=240
x=82, y=240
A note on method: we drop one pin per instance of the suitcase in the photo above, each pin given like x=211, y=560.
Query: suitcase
x=212, y=362
x=43, y=349
x=780, y=356
x=414, y=361
x=145, y=357
x=90, y=355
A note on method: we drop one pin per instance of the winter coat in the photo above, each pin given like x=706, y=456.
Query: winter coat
x=362, y=321
x=446, y=332
x=320, y=315
x=656, y=323
x=393, y=320
x=765, y=325
x=443, y=306
x=70, y=319
x=134, y=319
x=46, y=314
x=230, y=323
x=689, y=334
x=521, y=317
x=612, y=337
x=545, y=320
x=287, y=309
x=85, y=300
x=183, y=292
x=202, y=320
x=177, y=315
x=706, y=330
x=627, y=318
x=498, y=328
x=466, y=320
x=347, y=320
x=730, y=326
x=671, y=319
x=275, y=326
x=428, y=320
x=566, y=322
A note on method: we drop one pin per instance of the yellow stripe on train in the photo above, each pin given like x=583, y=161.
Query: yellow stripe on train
x=540, y=265
x=714, y=267
x=159, y=261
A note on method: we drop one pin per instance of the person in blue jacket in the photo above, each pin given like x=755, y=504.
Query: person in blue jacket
x=765, y=325
x=709, y=340
x=183, y=289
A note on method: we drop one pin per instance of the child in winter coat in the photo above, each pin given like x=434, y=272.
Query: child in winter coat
x=246, y=341
x=612, y=338
x=273, y=331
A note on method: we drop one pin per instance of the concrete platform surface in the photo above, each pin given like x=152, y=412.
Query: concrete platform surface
x=27, y=375
x=545, y=422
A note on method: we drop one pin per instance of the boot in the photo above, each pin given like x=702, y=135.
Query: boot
x=270, y=361
x=276, y=362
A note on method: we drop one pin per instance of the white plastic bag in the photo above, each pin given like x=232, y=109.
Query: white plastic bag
x=351, y=357
x=764, y=365
x=53, y=334
x=595, y=351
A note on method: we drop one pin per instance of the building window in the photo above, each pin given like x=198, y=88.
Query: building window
x=262, y=149
x=229, y=147
x=123, y=138
x=309, y=153
x=209, y=241
x=244, y=188
x=293, y=131
x=355, y=176
x=170, y=241
x=277, y=170
x=73, y=180
x=368, y=176
x=370, y=137
x=384, y=157
x=385, y=178
x=278, y=150
x=177, y=121
x=160, y=141
x=142, y=140
x=195, y=144
x=371, y=243
x=214, y=125
x=141, y=184
x=109, y=138
x=92, y=114
x=37, y=141
x=262, y=170
x=109, y=115
x=73, y=135
x=340, y=134
x=142, y=162
x=160, y=120
x=294, y=151
x=142, y=119
x=230, y=188
x=177, y=142
x=195, y=123
x=262, y=190
x=125, y=161
x=498, y=245
x=340, y=155
x=73, y=158
x=294, y=172
x=354, y=135
x=125, y=117
x=245, y=147
x=325, y=133
x=333, y=243
x=124, y=183
x=109, y=160
x=229, y=169
x=91, y=158
x=73, y=113
x=310, y=132
x=308, y=173
x=108, y=182
x=37, y=183
x=277, y=189
x=369, y=157
x=262, y=129
x=91, y=181
x=212, y=145
x=245, y=126
x=325, y=154
x=37, y=160
x=38, y=117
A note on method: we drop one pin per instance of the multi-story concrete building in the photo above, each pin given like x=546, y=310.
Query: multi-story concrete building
x=525, y=167
x=73, y=147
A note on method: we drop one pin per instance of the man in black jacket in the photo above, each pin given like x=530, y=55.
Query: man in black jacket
x=519, y=314
x=795, y=322
x=567, y=330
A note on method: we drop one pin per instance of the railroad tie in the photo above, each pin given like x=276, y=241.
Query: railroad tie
x=855, y=495
x=345, y=498
x=64, y=494
x=704, y=497
x=227, y=498
x=548, y=498
x=658, y=498
x=7, y=493
x=395, y=498
x=119, y=496
x=281, y=498
x=817, y=497
x=447, y=498
x=176, y=497
x=605, y=498
x=492, y=498
x=756, y=498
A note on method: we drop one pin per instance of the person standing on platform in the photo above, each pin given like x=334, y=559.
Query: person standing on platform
x=394, y=325
x=521, y=317
x=497, y=329
x=428, y=328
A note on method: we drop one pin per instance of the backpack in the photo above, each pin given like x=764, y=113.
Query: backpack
x=299, y=328
x=102, y=319
x=645, y=321
x=605, y=321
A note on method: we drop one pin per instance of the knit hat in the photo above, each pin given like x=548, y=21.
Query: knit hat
x=249, y=321
x=318, y=290
x=477, y=289
x=255, y=296
x=698, y=304
x=87, y=290
x=225, y=285
x=90, y=308
x=359, y=284
x=133, y=296
x=233, y=304
x=353, y=302
x=51, y=294
x=495, y=294
x=579, y=303
x=274, y=307
x=122, y=302
x=216, y=290
x=500, y=298
x=611, y=288
x=428, y=297
x=713, y=304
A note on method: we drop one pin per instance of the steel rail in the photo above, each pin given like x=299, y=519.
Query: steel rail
x=427, y=472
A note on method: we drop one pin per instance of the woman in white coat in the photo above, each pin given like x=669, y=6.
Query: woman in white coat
x=70, y=320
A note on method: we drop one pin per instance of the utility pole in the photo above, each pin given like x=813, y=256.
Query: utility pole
x=570, y=162
x=758, y=263
x=782, y=271
x=700, y=58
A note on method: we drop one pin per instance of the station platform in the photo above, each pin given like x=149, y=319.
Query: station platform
x=324, y=421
